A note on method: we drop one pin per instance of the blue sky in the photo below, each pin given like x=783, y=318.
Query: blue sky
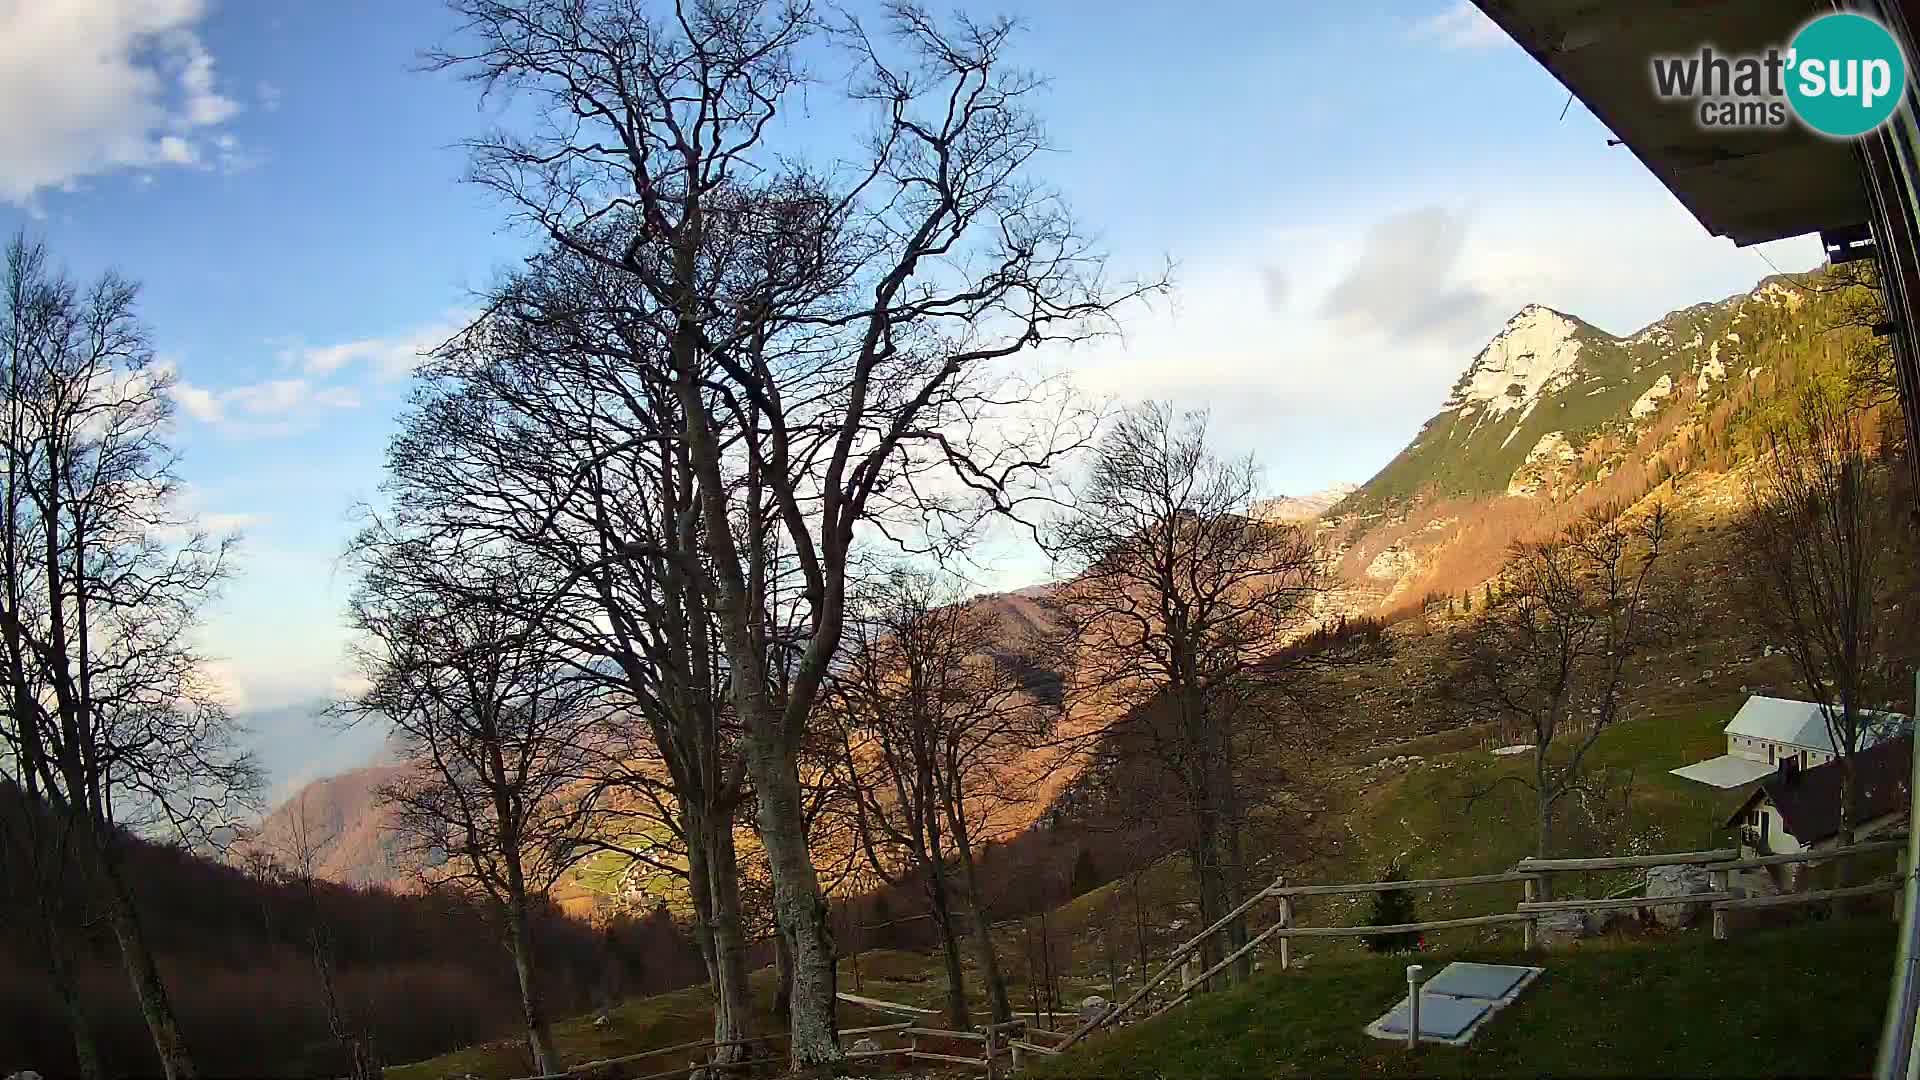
x=1355, y=196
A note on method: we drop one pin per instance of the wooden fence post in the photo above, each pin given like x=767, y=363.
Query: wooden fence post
x=1286, y=943
x=1526, y=928
x=991, y=1032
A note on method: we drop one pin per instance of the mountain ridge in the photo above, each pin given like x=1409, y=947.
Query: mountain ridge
x=1547, y=372
x=1550, y=412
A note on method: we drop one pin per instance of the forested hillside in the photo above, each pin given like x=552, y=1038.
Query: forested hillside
x=420, y=973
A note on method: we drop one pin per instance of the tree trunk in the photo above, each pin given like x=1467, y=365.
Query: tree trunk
x=700, y=892
x=176, y=1063
x=1543, y=840
x=798, y=908
x=1543, y=812
x=782, y=976
x=86, y=1052
x=546, y=1061
x=732, y=998
x=989, y=959
x=1209, y=875
x=957, y=1011
x=1139, y=928
x=1849, y=818
x=1234, y=875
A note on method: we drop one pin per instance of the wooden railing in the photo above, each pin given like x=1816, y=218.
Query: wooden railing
x=1285, y=930
x=1017, y=1039
x=1720, y=863
x=1533, y=875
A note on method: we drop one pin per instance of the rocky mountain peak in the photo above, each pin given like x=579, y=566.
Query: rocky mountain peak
x=1293, y=509
x=1537, y=351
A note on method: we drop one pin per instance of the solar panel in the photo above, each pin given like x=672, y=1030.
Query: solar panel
x=1488, y=982
x=1441, y=1017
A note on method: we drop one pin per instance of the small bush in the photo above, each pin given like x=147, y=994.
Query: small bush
x=1391, y=908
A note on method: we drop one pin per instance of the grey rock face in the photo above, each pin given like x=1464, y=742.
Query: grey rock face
x=1673, y=881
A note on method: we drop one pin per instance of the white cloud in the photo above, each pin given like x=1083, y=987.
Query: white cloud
x=89, y=87
x=1406, y=281
x=385, y=358
x=242, y=407
x=200, y=404
x=174, y=150
x=1462, y=25
x=226, y=683
x=321, y=379
x=268, y=95
x=1387, y=305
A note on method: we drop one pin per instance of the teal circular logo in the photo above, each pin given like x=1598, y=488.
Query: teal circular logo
x=1845, y=75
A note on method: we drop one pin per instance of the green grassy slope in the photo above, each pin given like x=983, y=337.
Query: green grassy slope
x=1425, y=817
x=634, y=1026
x=1800, y=1002
x=1419, y=813
x=1429, y=819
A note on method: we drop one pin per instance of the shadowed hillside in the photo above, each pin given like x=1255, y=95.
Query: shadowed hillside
x=423, y=973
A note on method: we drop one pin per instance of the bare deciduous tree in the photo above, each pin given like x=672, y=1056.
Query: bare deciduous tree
x=934, y=721
x=1817, y=533
x=548, y=428
x=498, y=730
x=110, y=719
x=292, y=853
x=832, y=339
x=1176, y=619
x=1552, y=655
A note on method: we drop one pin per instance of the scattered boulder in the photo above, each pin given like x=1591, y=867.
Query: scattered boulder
x=1670, y=881
x=865, y=1045
x=602, y=1020
x=1556, y=928
x=1093, y=1008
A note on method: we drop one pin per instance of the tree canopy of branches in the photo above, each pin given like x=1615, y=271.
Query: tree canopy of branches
x=108, y=715
x=935, y=721
x=545, y=429
x=1818, y=533
x=291, y=854
x=1553, y=653
x=832, y=340
x=1176, y=619
x=496, y=728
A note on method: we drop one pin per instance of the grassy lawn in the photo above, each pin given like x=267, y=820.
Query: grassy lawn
x=636, y=1025
x=1420, y=814
x=1423, y=816
x=1426, y=818
x=1801, y=1001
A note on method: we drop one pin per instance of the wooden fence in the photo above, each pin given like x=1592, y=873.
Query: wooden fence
x=1533, y=875
x=1016, y=1040
x=1007, y=1040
